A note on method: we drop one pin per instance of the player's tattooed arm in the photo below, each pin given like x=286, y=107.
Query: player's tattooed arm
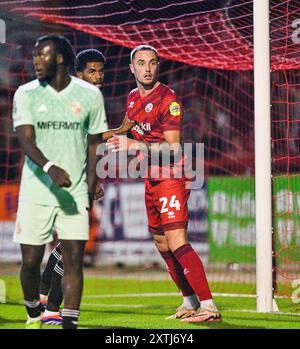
x=123, y=129
x=26, y=137
x=94, y=188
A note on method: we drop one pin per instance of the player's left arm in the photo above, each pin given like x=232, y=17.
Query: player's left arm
x=170, y=145
x=94, y=188
x=172, y=139
x=97, y=126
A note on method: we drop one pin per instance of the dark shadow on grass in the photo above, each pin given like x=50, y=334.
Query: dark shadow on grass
x=14, y=303
x=221, y=326
x=4, y=321
x=99, y=327
x=215, y=325
x=295, y=319
x=125, y=312
x=225, y=326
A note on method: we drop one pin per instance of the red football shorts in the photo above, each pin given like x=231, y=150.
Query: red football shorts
x=166, y=205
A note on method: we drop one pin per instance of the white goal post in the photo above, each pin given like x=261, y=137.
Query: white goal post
x=263, y=181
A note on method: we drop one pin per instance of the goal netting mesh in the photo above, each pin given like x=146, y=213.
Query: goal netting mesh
x=206, y=50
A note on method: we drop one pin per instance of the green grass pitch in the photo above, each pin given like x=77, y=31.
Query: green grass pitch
x=132, y=304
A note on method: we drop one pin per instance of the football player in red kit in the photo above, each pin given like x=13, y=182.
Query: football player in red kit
x=156, y=115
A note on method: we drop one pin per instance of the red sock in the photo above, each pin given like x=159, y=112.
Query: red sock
x=193, y=271
x=176, y=272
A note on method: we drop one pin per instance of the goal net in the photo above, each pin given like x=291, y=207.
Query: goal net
x=206, y=52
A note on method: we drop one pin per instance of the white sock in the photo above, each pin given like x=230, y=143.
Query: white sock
x=209, y=304
x=32, y=319
x=50, y=313
x=191, y=302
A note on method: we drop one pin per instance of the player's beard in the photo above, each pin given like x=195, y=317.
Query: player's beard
x=50, y=72
x=150, y=85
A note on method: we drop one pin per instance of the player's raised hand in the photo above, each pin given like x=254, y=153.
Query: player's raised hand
x=120, y=143
x=108, y=134
x=59, y=176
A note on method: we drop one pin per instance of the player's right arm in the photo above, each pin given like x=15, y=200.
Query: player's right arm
x=123, y=129
x=25, y=132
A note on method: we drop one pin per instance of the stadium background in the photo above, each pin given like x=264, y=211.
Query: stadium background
x=207, y=58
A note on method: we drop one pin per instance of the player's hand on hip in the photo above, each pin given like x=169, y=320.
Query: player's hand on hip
x=98, y=192
x=59, y=176
x=120, y=143
x=95, y=195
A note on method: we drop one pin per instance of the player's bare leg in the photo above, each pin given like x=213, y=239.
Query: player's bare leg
x=190, y=300
x=30, y=276
x=72, y=252
x=195, y=274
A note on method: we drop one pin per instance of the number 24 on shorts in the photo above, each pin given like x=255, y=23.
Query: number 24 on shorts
x=173, y=203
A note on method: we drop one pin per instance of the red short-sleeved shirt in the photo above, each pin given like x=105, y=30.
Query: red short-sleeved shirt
x=154, y=113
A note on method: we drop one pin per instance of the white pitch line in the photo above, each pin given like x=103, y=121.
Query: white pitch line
x=254, y=311
x=167, y=294
x=146, y=306
x=132, y=295
x=240, y=295
x=116, y=305
x=237, y=295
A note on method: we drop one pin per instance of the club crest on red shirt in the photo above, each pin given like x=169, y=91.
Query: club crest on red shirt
x=148, y=107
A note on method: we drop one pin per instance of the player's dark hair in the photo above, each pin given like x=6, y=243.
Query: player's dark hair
x=62, y=46
x=89, y=55
x=142, y=48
